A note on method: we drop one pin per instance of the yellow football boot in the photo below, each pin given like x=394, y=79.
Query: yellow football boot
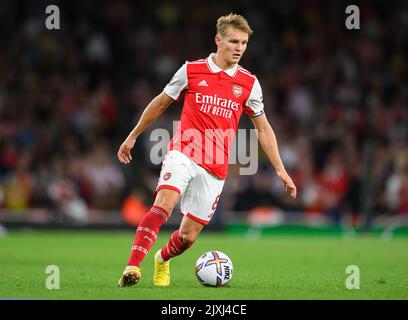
x=161, y=275
x=130, y=276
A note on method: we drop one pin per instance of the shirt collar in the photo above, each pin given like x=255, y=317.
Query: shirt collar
x=214, y=68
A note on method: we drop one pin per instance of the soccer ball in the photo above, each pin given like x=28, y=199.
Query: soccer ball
x=214, y=268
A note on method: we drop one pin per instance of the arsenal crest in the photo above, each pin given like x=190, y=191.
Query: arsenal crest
x=237, y=90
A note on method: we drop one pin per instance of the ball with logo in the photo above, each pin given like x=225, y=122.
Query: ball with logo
x=214, y=268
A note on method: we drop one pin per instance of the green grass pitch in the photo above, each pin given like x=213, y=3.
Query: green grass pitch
x=271, y=267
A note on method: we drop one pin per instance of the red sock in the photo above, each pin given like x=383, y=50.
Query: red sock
x=174, y=247
x=146, y=234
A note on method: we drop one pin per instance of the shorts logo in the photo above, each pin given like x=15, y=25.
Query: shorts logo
x=237, y=90
x=167, y=176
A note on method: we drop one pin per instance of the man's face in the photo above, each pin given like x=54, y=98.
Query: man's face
x=232, y=45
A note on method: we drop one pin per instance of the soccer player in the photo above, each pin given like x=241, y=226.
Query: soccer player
x=216, y=92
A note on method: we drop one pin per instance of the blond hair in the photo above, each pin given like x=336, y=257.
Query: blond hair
x=233, y=20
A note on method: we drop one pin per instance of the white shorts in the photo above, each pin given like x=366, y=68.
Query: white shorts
x=199, y=190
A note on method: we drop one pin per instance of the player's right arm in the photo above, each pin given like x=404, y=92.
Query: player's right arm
x=153, y=110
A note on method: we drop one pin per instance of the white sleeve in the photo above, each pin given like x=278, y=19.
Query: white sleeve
x=254, y=106
x=177, y=84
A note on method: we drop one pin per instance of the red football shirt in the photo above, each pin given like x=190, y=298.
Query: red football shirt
x=213, y=104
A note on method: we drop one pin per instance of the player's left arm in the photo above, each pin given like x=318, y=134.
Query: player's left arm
x=268, y=141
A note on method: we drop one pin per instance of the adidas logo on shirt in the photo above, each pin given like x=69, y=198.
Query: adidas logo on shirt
x=203, y=83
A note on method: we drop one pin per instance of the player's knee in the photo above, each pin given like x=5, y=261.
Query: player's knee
x=166, y=205
x=188, y=238
x=166, y=201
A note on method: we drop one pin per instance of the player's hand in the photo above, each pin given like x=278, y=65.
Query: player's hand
x=124, y=150
x=287, y=181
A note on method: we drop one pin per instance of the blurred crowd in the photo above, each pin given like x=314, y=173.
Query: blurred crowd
x=336, y=98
